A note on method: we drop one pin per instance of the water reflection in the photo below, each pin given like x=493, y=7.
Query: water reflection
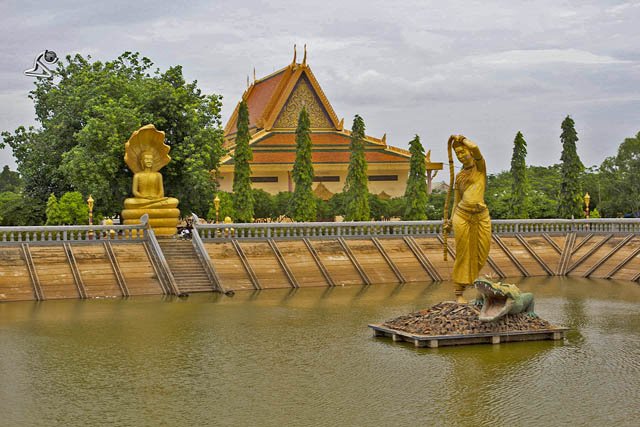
x=305, y=357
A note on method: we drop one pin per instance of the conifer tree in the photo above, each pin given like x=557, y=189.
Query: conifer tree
x=356, y=186
x=570, y=203
x=416, y=191
x=519, y=184
x=242, y=195
x=303, y=202
x=54, y=215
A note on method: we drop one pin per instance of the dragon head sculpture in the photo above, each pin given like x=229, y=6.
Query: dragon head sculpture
x=499, y=299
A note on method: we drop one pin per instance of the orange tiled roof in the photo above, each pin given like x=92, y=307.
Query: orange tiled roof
x=316, y=139
x=266, y=157
x=258, y=98
x=264, y=149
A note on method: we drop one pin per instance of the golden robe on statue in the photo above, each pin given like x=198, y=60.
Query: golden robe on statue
x=471, y=221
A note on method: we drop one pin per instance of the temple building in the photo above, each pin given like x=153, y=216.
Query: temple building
x=274, y=103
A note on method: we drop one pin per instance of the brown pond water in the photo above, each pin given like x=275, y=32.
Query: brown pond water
x=306, y=357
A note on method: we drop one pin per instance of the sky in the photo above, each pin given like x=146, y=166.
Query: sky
x=485, y=69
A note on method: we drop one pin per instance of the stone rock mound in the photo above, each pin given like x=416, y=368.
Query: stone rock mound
x=450, y=318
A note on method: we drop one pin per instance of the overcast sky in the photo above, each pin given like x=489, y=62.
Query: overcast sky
x=486, y=69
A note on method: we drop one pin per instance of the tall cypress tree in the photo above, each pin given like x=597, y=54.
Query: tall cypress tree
x=416, y=191
x=570, y=203
x=242, y=195
x=519, y=184
x=356, y=186
x=303, y=202
x=54, y=215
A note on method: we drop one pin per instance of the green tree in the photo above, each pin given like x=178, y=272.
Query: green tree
x=544, y=184
x=337, y=204
x=303, y=202
x=323, y=210
x=54, y=216
x=620, y=179
x=435, y=204
x=242, y=195
x=263, y=204
x=397, y=207
x=71, y=209
x=416, y=191
x=570, y=203
x=18, y=210
x=226, y=207
x=282, y=202
x=356, y=185
x=10, y=180
x=591, y=183
x=518, y=202
x=379, y=207
x=88, y=110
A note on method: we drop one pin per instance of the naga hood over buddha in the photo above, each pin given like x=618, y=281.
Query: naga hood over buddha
x=145, y=154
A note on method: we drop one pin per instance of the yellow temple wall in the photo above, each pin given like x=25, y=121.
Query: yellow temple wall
x=281, y=172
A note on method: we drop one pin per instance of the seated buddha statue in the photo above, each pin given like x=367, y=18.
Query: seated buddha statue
x=145, y=154
x=148, y=189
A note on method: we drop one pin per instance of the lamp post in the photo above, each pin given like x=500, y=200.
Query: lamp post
x=90, y=203
x=216, y=204
x=587, y=199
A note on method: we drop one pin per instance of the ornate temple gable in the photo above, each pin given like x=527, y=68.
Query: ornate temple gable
x=303, y=95
x=267, y=97
x=286, y=88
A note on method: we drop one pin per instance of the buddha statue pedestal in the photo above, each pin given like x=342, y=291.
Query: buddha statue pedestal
x=145, y=154
x=163, y=221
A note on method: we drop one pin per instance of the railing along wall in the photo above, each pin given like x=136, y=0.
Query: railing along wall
x=204, y=256
x=363, y=229
x=73, y=233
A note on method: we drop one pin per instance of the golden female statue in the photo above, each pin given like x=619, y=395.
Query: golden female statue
x=470, y=220
x=145, y=154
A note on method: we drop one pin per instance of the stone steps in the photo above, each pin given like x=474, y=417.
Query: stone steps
x=185, y=265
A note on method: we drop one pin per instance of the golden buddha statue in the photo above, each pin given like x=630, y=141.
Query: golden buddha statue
x=145, y=154
x=470, y=219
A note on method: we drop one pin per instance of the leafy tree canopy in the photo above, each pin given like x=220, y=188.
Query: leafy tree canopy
x=226, y=207
x=263, y=204
x=87, y=111
x=620, y=180
x=542, y=201
x=71, y=209
x=19, y=210
x=10, y=180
